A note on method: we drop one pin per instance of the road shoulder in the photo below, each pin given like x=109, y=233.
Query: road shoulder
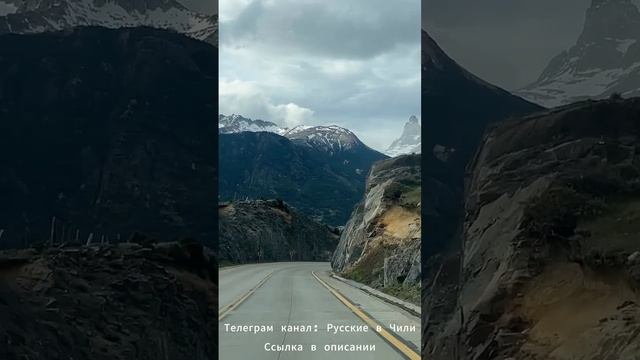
x=404, y=324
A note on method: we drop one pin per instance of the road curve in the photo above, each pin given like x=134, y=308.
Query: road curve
x=280, y=294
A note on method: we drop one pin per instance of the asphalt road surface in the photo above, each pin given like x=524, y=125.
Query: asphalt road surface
x=302, y=296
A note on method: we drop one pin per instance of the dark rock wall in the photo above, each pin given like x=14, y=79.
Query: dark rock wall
x=271, y=230
x=548, y=267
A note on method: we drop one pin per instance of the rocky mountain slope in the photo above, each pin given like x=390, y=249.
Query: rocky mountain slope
x=237, y=123
x=321, y=171
x=605, y=59
x=380, y=245
x=456, y=109
x=271, y=230
x=28, y=17
x=109, y=131
x=457, y=106
x=108, y=302
x=548, y=266
x=409, y=142
x=332, y=139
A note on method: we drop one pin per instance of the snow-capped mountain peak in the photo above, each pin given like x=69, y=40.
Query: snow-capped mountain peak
x=36, y=16
x=605, y=59
x=237, y=123
x=331, y=138
x=7, y=7
x=409, y=142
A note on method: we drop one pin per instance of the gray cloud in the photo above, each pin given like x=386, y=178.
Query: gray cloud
x=347, y=29
x=352, y=63
x=507, y=42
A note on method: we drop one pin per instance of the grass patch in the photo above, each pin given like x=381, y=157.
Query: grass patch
x=410, y=293
x=369, y=270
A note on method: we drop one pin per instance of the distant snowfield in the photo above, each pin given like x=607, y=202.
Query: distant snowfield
x=603, y=62
x=592, y=84
x=111, y=14
x=410, y=142
x=403, y=150
x=7, y=8
x=330, y=138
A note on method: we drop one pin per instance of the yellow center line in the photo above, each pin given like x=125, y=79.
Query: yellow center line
x=377, y=327
x=234, y=304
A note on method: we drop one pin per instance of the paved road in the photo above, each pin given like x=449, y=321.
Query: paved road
x=289, y=294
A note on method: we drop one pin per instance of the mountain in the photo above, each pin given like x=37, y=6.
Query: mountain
x=548, y=262
x=271, y=230
x=331, y=139
x=334, y=140
x=457, y=106
x=320, y=171
x=410, y=140
x=107, y=132
x=36, y=16
x=380, y=245
x=237, y=123
x=605, y=59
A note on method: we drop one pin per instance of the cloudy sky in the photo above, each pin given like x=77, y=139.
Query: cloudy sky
x=507, y=42
x=352, y=63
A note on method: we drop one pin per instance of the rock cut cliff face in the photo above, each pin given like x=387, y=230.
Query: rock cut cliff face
x=380, y=245
x=271, y=230
x=549, y=266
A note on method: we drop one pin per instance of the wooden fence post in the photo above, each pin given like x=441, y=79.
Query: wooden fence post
x=53, y=231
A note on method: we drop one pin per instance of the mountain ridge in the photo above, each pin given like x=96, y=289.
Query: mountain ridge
x=604, y=60
x=457, y=107
x=322, y=182
x=28, y=17
x=329, y=138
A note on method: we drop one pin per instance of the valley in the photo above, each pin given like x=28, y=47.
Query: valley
x=322, y=174
x=293, y=192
